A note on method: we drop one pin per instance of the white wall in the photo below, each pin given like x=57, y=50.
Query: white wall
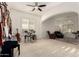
x=18, y=16
x=68, y=21
x=62, y=8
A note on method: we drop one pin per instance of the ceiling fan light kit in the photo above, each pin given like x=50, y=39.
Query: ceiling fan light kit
x=36, y=6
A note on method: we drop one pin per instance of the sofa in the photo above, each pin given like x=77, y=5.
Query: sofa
x=56, y=34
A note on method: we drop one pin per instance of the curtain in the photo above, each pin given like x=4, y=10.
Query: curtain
x=0, y=35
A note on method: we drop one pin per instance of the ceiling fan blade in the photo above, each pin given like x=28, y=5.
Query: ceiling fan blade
x=39, y=9
x=33, y=9
x=31, y=5
x=41, y=5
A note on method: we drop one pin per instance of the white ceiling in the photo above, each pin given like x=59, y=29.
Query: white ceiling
x=22, y=6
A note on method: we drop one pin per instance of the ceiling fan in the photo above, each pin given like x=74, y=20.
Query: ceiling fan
x=37, y=6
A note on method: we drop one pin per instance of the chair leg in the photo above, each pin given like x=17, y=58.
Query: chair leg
x=18, y=49
x=12, y=54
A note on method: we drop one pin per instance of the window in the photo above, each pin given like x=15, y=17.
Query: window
x=25, y=24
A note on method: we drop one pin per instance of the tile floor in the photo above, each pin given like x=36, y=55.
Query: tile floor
x=48, y=48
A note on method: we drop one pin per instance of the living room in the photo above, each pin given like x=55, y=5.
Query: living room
x=61, y=19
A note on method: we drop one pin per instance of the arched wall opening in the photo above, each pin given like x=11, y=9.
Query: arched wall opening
x=64, y=22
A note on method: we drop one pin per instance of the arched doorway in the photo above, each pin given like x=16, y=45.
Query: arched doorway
x=64, y=22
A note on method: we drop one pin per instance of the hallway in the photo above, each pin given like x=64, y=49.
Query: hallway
x=49, y=48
